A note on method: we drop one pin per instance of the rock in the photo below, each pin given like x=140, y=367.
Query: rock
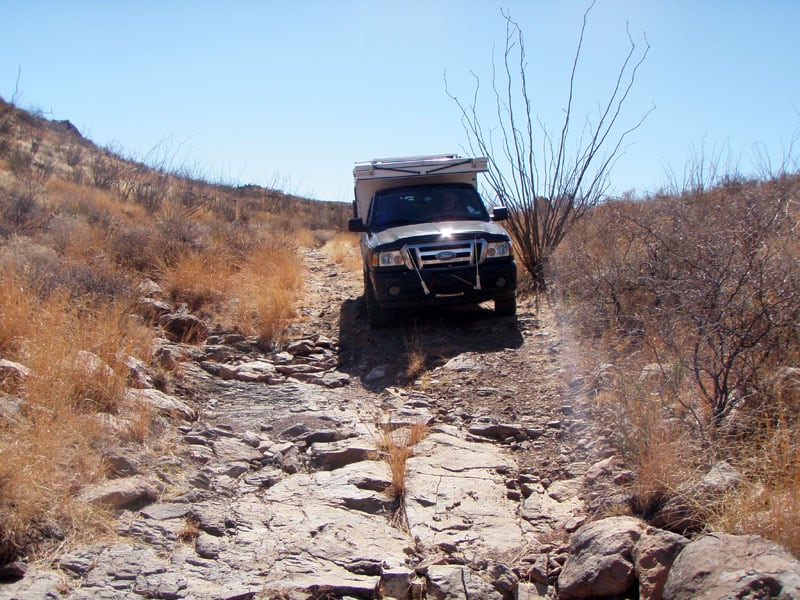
x=152, y=309
x=207, y=546
x=564, y=489
x=729, y=566
x=503, y=578
x=653, y=556
x=495, y=430
x=600, y=561
x=10, y=408
x=396, y=583
x=91, y=364
x=684, y=511
x=547, y=513
x=150, y=289
x=376, y=373
x=257, y=370
x=600, y=471
x=462, y=363
x=531, y=591
x=335, y=379
x=127, y=571
x=13, y=571
x=212, y=517
x=446, y=582
x=183, y=327
x=127, y=492
x=335, y=455
x=138, y=377
x=12, y=373
x=457, y=496
x=163, y=512
x=165, y=403
x=36, y=584
x=119, y=463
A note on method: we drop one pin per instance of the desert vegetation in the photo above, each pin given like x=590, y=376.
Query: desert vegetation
x=691, y=302
x=688, y=302
x=81, y=230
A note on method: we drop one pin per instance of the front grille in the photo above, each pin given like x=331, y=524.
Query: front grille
x=446, y=254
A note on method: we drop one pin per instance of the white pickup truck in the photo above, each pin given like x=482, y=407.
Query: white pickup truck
x=427, y=237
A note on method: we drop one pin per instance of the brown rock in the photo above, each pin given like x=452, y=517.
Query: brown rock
x=600, y=561
x=720, y=565
x=653, y=556
x=127, y=492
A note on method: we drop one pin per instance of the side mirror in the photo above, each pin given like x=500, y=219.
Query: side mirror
x=499, y=213
x=356, y=225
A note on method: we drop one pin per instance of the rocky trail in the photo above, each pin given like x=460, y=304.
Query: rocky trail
x=279, y=484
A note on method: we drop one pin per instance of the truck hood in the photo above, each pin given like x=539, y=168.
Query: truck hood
x=433, y=231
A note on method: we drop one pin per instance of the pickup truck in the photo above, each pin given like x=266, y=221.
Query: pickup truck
x=428, y=238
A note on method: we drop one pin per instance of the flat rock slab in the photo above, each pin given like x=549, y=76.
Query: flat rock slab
x=322, y=529
x=456, y=497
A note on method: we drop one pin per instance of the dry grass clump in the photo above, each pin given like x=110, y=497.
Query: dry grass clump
x=769, y=503
x=51, y=446
x=343, y=249
x=395, y=447
x=254, y=294
x=695, y=298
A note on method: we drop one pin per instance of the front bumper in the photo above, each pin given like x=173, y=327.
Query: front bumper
x=452, y=286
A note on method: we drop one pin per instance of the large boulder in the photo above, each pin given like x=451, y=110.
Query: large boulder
x=731, y=566
x=600, y=561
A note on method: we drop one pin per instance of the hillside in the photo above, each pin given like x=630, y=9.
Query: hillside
x=194, y=407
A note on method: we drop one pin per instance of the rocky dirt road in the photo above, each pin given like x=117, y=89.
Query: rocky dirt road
x=277, y=484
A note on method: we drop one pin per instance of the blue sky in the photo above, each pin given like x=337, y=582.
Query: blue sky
x=293, y=93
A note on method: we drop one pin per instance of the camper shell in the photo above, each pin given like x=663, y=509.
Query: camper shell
x=428, y=238
x=385, y=173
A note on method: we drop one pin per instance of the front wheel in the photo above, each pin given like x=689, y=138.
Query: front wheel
x=505, y=306
x=377, y=316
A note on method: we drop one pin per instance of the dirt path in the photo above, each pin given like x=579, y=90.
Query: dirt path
x=468, y=363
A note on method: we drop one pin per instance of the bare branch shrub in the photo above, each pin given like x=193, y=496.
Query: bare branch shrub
x=6, y=126
x=708, y=280
x=547, y=179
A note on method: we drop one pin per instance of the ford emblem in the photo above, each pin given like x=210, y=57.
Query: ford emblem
x=445, y=255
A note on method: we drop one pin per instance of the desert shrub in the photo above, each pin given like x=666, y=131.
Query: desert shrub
x=695, y=299
x=23, y=212
x=705, y=281
x=141, y=248
x=7, y=117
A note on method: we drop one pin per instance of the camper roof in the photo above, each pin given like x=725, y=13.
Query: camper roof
x=384, y=173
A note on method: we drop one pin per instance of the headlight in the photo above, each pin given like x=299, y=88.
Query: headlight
x=390, y=258
x=498, y=249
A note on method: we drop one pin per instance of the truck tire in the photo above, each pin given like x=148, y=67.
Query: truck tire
x=377, y=316
x=505, y=306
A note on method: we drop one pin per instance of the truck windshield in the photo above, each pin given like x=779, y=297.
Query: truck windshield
x=426, y=204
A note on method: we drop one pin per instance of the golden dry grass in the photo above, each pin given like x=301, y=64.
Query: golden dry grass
x=395, y=448
x=52, y=447
x=343, y=249
x=254, y=294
